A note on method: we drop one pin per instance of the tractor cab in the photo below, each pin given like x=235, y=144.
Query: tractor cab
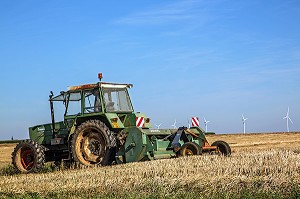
x=96, y=98
x=108, y=102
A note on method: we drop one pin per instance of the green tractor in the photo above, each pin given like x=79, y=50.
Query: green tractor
x=100, y=127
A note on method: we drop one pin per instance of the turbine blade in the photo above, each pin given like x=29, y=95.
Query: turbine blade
x=291, y=120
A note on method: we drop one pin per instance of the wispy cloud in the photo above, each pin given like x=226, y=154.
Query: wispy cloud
x=186, y=16
x=181, y=17
x=175, y=12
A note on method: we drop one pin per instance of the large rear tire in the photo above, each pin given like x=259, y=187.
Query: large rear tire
x=28, y=156
x=190, y=148
x=93, y=144
x=222, y=147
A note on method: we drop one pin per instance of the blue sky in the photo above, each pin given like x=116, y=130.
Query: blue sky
x=218, y=59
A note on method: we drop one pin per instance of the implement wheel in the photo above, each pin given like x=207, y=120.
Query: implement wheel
x=28, y=156
x=222, y=147
x=190, y=148
x=93, y=143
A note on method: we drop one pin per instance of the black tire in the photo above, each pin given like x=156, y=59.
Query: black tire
x=190, y=148
x=93, y=144
x=28, y=156
x=222, y=147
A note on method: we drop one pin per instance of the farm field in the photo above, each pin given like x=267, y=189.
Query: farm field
x=261, y=166
x=5, y=154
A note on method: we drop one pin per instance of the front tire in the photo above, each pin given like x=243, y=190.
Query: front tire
x=93, y=144
x=28, y=156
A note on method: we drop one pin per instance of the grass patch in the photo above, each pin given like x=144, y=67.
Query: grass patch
x=187, y=193
x=9, y=170
x=9, y=141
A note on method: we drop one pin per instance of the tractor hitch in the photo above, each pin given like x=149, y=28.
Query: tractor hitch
x=179, y=135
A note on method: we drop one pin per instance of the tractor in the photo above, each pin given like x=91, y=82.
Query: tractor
x=100, y=127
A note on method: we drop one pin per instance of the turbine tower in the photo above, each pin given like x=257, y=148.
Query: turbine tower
x=174, y=125
x=189, y=125
x=205, y=123
x=244, y=123
x=287, y=117
x=157, y=125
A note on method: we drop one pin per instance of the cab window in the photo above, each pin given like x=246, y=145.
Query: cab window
x=92, y=102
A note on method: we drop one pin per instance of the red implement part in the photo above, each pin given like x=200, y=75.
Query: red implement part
x=208, y=147
x=27, y=159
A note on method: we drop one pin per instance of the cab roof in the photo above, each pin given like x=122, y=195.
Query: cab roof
x=99, y=84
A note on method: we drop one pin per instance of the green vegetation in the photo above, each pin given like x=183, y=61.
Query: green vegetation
x=9, y=141
x=188, y=194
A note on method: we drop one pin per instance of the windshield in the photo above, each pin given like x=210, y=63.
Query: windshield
x=74, y=103
x=117, y=100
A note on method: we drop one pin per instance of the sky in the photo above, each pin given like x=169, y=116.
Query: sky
x=216, y=59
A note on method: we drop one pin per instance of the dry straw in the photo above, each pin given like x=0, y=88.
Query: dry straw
x=256, y=168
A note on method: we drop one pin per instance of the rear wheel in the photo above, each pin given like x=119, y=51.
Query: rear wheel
x=222, y=147
x=28, y=156
x=190, y=148
x=93, y=143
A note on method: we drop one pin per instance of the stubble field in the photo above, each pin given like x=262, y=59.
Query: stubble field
x=261, y=166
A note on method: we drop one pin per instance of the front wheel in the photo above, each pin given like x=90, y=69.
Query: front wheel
x=28, y=156
x=93, y=143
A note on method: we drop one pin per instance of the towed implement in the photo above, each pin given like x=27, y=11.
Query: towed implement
x=100, y=127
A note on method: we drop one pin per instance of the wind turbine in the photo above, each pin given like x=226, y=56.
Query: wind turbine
x=244, y=123
x=205, y=123
x=287, y=117
x=189, y=125
x=157, y=125
x=174, y=125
